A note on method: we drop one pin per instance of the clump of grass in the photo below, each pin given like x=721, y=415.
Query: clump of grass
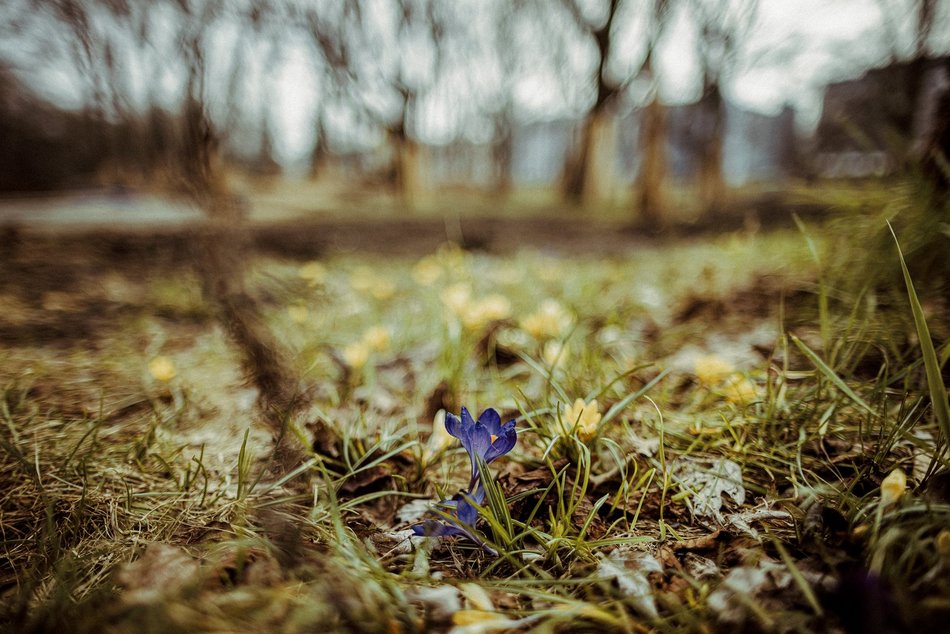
x=919, y=215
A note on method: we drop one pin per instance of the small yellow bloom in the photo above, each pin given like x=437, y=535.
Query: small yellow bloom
x=555, y=353
x=549, y=270
x=480, y=617
x=943, y=542
x=382, y=289
x=313, y=272
x=457, y=298
x=298, y=314
x=482, y=312
x=740, y=390
x=363, y=278
x=356, y=354
x=584, y=417
x=452, y=257
x=476, y=596
x=710, y=369
x=427, y=271
x=495, y=306
x=377, y=339
x=162, y=369
x=893, y=487
x=508, y=274
x=550, y=320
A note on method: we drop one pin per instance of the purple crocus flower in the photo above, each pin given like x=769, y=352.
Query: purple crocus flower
x=486, y=438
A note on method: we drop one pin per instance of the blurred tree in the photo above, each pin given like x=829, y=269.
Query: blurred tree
x=649, y=184
x=221, y=251
x=503, y=114
x=332, y=29
x=264, y=24
x=907, y=26
x=44, y=148
x=396, y=60
x=722, y=29
x=100, y=29
x=586, y=167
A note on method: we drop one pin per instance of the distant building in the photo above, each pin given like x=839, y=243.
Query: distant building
x=459, y=163
x=760, y=147
x=870, y=124
x=756, y=147
x=539, y=150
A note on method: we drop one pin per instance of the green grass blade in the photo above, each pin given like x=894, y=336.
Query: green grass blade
x=500, y=517
x=797, y=576
x=547, y=374
x=823, y=316
x=938, y=391
x=831, y=374
x=619, y=407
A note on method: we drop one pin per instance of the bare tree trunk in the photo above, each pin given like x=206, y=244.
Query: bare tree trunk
x=589, y=168
x=653, y=164
x=220, y=257
x=503, y=153
x=588, y=171
x=711, y=184
x=219, y=247
x=711, y=187
x=575, y=164
x=318, y=157
x=406, y=177
x=601, y=159
x=265, y=164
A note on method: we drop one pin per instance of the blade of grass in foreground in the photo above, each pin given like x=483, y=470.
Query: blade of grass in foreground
x=831, y=374
x=938, y=391
x=823, y=318
x=619, y=407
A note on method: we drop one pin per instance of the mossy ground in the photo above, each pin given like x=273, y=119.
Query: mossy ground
x=731, y=481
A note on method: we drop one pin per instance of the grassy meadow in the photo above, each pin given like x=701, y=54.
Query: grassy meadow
x=745, y=432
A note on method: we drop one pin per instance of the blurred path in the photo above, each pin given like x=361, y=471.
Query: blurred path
x=96, y=209
x=126, y=220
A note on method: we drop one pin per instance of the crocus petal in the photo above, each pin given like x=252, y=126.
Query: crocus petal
x=453, y=425
x=464, y=429
x=432, y=528
x=466, y=513
x=464, y=516
x=467, y=420
x=491, y=420
x=506, y=440
x=478, y=497
x=481, y=441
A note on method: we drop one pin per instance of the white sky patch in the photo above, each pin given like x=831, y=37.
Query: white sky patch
x=677, y=65
x=298, y=93
x=538, y=94
x=798, y=47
